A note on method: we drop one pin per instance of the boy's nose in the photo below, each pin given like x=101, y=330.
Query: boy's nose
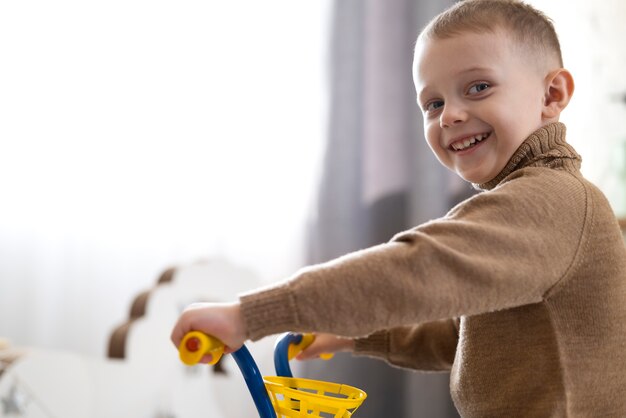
x=452, y=114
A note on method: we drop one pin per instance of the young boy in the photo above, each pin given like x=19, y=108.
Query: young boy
x=520, y=291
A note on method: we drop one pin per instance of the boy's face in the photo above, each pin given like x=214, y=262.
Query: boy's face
x=481, y=97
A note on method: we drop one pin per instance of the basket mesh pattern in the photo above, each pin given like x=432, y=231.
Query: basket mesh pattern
x=295, y=397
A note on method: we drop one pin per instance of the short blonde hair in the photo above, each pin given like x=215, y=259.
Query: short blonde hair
x=528, y=26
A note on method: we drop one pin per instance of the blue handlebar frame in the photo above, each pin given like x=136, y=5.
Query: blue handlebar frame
x=252, y=375
x=281, y=353
x=254, y=380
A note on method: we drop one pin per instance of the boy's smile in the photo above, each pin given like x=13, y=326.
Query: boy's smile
x=481, y=95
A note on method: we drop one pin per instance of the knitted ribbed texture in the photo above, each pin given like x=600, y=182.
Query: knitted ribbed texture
x=268, y=312
x=376, y=343
x=546, y=143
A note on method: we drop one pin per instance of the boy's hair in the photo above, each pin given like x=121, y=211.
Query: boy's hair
x=530, y=27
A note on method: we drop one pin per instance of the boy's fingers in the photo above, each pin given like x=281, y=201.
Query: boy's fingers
x=177, y=334
x=300, y=357
x=311, y=352
x=175, y=337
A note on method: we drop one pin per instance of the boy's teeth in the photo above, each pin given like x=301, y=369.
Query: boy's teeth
x=461, y=145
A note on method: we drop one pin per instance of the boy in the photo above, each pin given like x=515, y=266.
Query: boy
x=519, y=290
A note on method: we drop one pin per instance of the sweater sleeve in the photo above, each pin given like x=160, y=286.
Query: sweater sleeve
x=429, y=346
x=500, y=249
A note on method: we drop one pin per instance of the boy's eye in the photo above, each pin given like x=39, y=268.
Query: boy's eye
x=432, y=106
x=478, y=87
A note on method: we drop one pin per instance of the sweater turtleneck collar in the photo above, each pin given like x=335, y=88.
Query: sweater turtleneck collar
x=546, y=147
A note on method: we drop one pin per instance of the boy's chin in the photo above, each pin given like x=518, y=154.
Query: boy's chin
x=474, y=179
x=466, y=176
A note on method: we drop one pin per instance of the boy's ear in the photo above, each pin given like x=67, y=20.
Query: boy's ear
x=559, y=90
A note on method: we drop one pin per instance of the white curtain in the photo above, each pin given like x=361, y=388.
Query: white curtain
x=591, y=36
x=137, y=135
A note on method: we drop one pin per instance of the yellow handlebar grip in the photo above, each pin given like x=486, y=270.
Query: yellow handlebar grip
x=307, y=340
x=196, y=345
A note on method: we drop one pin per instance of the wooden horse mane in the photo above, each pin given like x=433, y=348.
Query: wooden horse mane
x=117, y=341
x=119, y=337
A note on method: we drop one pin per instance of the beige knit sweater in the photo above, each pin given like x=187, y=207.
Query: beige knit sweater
x=520, y=291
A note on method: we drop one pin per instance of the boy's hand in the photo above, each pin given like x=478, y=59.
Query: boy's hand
x=220, y=320
x=326, y=343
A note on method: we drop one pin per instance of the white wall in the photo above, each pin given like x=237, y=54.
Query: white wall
x=592, y=38
x=136, y=135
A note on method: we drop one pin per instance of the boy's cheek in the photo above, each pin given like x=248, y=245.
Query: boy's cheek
x=432, y=134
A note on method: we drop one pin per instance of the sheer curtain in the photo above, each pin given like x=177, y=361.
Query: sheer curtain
x=379, y=177
x=137, y=135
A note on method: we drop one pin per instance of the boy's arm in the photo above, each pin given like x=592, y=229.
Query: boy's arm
x=498, y=250
x=430, y=346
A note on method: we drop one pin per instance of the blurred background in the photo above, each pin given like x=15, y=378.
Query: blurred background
x=138, y=136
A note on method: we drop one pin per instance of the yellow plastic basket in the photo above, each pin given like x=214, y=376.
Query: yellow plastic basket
x=296, y=397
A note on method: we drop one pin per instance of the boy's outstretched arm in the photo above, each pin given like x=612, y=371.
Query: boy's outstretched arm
x=221, y=320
